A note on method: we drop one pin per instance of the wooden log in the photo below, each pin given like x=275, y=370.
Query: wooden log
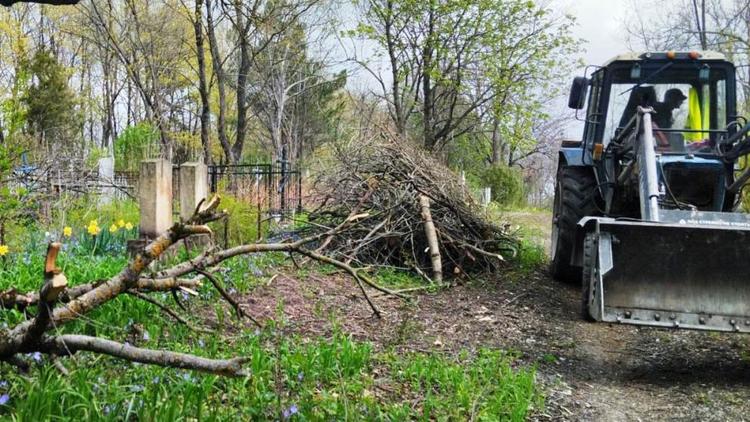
x=432, y=240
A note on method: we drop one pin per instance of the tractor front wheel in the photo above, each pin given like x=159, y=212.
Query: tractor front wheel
x=575, y=198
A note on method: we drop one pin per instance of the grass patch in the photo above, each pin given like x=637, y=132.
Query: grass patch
x=531, y=256
x=481, y=387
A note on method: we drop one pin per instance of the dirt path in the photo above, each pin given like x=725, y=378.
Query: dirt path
x=621, y=373
x=589, y=371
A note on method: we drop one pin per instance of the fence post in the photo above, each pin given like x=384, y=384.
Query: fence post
x=282, y=183
x=299, y=191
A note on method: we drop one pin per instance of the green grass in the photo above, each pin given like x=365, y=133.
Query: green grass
x=529, y=257
x=480, y=387
x=317, y=378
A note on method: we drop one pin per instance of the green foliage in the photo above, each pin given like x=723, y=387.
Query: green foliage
x=242, y=225
x=483, y=387
x=51, y=106
x=78, y=212
x=133, y=145
x=397, y=279
x=506, y=184
x=530, y=257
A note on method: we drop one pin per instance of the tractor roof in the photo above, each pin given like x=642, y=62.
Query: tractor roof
x=662, y=55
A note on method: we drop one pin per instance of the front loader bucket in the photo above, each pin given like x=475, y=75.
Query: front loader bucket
x=690, y=272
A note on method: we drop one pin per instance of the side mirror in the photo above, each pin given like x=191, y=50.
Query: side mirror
x=578, y=90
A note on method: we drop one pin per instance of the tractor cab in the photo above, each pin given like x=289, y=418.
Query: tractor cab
x=692, y=96
x=692, y=101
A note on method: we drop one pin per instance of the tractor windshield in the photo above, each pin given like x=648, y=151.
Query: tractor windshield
x=689, y=106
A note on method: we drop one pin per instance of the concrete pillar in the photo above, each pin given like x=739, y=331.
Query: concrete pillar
x=486, y=196
x=106, y=179
x=155, y=192
x=193, y=187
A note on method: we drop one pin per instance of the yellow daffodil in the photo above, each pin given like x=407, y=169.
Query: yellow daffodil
x=128, y=226
x=121, y=223
x=93, y=223
x=68, y=231
x=4, y=249
x=113, y=228
x=93, y=229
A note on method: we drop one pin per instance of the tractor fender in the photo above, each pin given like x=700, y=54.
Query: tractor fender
x=571, y=155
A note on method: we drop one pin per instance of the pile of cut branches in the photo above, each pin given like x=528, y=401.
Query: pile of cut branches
x=412, y=212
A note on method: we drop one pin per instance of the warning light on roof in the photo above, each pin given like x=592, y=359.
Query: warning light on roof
x=694, y=55
x=671, y=55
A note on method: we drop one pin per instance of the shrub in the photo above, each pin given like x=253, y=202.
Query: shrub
x=133, y=145
x=243, y=222
x=506, y=184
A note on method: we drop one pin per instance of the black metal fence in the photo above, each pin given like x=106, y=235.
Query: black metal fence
x=276, y=189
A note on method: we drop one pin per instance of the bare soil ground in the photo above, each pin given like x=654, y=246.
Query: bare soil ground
x=588, y=371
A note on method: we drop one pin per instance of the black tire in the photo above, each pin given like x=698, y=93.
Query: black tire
x=575, y=198
x=589, y=262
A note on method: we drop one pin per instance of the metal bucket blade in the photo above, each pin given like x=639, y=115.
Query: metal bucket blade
x=673, y=275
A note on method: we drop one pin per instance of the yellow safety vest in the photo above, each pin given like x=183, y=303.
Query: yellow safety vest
x=698, y=117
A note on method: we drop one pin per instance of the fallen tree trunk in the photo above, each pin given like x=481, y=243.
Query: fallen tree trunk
x=432, y=240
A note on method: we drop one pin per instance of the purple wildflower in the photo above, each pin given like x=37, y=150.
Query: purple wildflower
x=201, y=343
x=146, y=336
x=300, y=376
x=36, y=356
x=291, y=411
x=4, y=399
x=108, y=409
x=3, y=384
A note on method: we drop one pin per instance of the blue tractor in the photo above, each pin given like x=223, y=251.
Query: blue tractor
x=646, y=204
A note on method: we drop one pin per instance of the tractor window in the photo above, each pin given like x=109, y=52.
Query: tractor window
x=684, y=109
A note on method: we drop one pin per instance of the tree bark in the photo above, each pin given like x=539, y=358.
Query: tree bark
x=432, y=240
x=205, y=114
x=428, y=99
x=495, y=157
x=216, y=62
x=242, y=78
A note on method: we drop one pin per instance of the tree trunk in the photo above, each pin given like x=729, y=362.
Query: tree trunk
x=427, y=91
x=432, y=240
x=220, y=83
x=244, y=68
x=495, y=157
x=205, y=114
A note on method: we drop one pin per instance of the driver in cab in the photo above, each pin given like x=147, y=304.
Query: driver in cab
x=673, y=100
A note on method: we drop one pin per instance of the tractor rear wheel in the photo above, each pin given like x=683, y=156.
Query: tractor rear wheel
x=575, y=198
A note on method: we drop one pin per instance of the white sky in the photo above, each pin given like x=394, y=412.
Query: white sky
x=600, y=26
